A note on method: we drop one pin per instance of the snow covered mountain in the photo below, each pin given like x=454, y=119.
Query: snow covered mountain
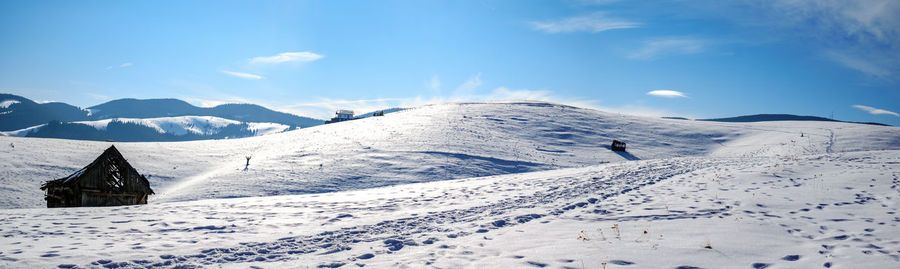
x=497, y=184
x=141, y=120
x=18, y=112
x=182, y=128
x=156, y=108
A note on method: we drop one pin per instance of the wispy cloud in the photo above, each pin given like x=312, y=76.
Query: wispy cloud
x=667, y=93
x=503, y=93
x=286, y=57
x=878, y=67
x=862, y=35
x=98, y=96
x=434, y=85
x=656, y=48
x=876, y=111
x=123, y=65
x=592, y=23
x=469, y=86
x=242, y=75
x=225, y=99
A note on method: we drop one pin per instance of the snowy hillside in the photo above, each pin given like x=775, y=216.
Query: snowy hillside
x=508, y=184
x=429, y=143
x=824, y=210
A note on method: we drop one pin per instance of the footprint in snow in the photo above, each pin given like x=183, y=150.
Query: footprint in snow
x=620, y=262
x=791, y=258
x=841, y=237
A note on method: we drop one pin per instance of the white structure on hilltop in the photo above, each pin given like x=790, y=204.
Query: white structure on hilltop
x=341, y=115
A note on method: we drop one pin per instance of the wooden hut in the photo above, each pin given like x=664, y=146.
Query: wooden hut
x=107, y=181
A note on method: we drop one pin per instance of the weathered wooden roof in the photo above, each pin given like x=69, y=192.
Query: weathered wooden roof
x=110, y=172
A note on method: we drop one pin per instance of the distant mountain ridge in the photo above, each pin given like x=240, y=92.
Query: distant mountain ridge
x=183, y=128
x=60, y=120
x=782, y=117
x=20, y=112
x=155, y=108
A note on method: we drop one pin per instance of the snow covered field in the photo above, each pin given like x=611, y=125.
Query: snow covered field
x=516, y=185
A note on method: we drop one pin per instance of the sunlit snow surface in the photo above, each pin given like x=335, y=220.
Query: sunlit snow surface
x=754, y=193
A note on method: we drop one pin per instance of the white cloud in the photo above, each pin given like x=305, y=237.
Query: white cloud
x=285, y=57
x=503, y=93
x=592, y=23
x=223, y=99
x=434, y=85
x=123, y=65
x=667, y=93
x=242, y=75
x=874, y=65
x=876, y=111
x=655, y=48
x=862, y=35
x=469, y=86
x=98, y=96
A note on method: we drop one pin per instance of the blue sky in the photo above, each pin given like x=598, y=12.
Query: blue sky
x=699, y=59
